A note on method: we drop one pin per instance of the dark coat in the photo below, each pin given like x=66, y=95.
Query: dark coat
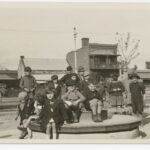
x=137, y=90
x=57, y=89
x=91, y=95
x=84, y=87
x=58, y=114
x=113, y=88
x=67, y=77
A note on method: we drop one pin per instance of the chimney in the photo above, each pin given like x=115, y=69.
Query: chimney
x=21, y=57
x=85, y=42
x=147, y=65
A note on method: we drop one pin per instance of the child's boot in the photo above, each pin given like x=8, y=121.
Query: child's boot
x=76, y=120
x=23, y=134
x=95, y=118
x=99, y=119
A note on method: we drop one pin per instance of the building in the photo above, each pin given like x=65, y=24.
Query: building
x=42, y=68
x=97, y=59
x=9, y=83
x=145, y=76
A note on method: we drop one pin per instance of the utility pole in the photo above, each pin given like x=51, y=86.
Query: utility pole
x=75, y=49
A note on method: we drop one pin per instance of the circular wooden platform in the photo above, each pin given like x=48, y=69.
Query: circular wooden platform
x=117, y=123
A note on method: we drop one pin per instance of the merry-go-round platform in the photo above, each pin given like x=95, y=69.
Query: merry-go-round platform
x=117, y=126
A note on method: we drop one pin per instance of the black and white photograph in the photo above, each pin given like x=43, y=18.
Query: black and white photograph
x=74, y=72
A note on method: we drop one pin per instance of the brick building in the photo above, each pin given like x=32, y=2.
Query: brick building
x=97, y=59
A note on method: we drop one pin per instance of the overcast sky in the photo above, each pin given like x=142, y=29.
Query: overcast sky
x=45, y=30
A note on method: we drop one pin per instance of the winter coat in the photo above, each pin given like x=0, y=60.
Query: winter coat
x=116, y=88
x=55, y=111
x=137, y=90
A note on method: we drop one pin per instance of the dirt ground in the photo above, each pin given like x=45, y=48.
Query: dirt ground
x=8, y=122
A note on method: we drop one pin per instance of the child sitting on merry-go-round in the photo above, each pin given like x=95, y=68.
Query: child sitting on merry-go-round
x=25, y=128
x=94, y=102
x=53, y=114
x=73, y=101
x=22, y=108
x=38, y=105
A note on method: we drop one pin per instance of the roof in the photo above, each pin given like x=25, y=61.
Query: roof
x=144, y=74
x=45, y=64
x=8, y=75
x=44, y=77
x=98, y=45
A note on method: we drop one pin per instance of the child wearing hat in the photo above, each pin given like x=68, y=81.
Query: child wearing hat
x=68, y=75
x=53, y=114
x=81, y=71
x=72, y=100
x=137, y=91
x=28, y=84
x=94, y=102
x=54, y=84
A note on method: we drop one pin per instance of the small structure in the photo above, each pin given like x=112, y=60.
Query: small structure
x=42, y=68
x=8, y=82
x=145, y=76
x=97, y=59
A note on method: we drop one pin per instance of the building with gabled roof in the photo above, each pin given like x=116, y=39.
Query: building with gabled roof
x=42, y=68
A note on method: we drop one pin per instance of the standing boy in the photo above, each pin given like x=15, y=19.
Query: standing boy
x=137, y=91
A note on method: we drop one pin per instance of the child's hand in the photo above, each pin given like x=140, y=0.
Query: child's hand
x=65, y=122
x=27, y=90
x=75, y=103
x=32, y=90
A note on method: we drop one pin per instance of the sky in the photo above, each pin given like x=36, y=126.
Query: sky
x=45, y=30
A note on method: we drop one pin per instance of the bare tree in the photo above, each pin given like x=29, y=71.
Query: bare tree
x=127, y=49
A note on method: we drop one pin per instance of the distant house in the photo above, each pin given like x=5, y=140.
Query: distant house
x=42, y=69
x=145, y=76
x=9, y=77
x=98, y=59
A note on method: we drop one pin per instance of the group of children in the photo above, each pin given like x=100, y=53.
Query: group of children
x=63, y=100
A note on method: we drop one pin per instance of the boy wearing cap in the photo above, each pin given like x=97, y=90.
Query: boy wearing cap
x=81, y=71
x=76, y=81
x=54, y=84
x=73, y=99
x=53, y=114
x=67, y=76
x=137, y=91
x=28, y=84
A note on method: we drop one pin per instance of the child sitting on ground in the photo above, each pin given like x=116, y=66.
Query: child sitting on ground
x=22, y=108
x=73, y=100
x=94, y=102
x=53, y=114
